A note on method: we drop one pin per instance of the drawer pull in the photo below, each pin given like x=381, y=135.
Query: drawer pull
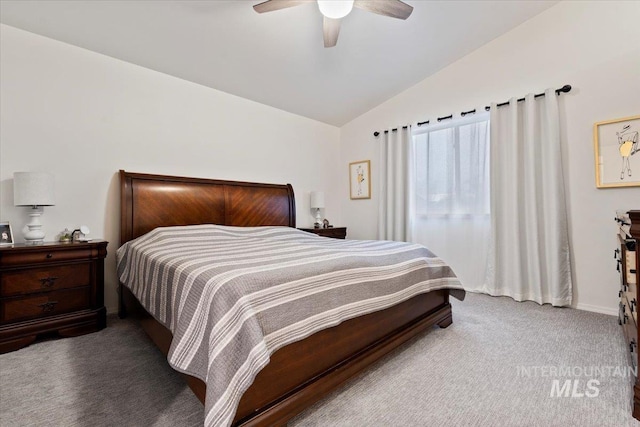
x=632, y=305
x=48, y=282
x=49, y=255
x=615, y=253
x=48, y=306
x=632, y=345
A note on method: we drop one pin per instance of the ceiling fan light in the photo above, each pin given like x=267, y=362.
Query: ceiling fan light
x=335, y=9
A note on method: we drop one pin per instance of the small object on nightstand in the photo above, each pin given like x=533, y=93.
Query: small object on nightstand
x=333, y=232
x=325, y=223
x=81, y=234
x=65, y=236
x=6, y=235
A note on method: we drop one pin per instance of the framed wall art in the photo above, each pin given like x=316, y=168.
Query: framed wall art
x=360, y=179
x=617, y=152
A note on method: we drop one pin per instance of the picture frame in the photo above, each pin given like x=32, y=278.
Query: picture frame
x=617, y=152
x=360, y=180
x=6, y=235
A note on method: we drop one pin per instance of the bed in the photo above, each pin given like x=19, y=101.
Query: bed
x=298, y=373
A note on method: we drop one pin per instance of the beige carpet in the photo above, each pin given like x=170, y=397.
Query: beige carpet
x=470, y=374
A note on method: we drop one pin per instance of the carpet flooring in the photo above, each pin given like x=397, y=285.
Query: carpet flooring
x=494, y=366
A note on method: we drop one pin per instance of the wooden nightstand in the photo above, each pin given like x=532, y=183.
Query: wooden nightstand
x=334, y=232
x=52, y=287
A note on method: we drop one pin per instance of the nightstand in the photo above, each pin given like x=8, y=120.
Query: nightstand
x=334, y=232
x=51, y=287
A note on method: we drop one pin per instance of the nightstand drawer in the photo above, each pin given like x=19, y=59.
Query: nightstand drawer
x=631, y=334
x=630, y=265
x=18, y=282
x=632, y=303
x=47, y=304
x=333, y=232
x=46, y=255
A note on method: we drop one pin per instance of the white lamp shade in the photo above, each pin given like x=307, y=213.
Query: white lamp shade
x=317, y=200
x=33, y=189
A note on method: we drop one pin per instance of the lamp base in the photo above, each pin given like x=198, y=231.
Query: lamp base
x=318, y=222
x=35, y=234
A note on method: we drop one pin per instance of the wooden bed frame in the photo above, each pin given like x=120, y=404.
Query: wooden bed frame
x=303, y=372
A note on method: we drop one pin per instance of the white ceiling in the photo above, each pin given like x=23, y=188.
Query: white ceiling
x=278, y=58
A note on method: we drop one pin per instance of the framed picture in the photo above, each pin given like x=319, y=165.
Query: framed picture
x=617, y=151
x=360, y=179
x=6, y=236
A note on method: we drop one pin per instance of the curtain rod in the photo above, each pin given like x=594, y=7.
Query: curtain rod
x=563, y=89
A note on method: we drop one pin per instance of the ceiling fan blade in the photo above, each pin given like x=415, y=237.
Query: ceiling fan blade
x=271, y=5
x=331, y=30
x=392, y=8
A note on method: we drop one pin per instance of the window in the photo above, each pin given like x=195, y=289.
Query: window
x=451, y=164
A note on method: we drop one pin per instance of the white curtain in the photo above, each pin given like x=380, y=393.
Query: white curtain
x=529, y=253
x=394, y=205
x=451, y=207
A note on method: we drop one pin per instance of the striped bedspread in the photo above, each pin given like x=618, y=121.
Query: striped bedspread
x=232, y=296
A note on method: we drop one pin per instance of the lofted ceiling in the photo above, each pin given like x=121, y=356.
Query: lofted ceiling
x=278, y=58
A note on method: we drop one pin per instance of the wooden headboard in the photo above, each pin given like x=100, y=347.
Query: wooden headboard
x=150, y=201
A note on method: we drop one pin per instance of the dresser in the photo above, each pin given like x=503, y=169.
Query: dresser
x=50, y=288
x=333, y=232
x=628, y=260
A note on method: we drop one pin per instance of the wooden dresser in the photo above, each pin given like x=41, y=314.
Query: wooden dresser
x=628, y=260
x=52, y=287
x=334, y=232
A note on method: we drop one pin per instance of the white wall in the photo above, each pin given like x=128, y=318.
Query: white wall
x=83, y=116
x=591, y=45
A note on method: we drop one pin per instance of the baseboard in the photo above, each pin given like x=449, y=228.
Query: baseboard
x=597, y=309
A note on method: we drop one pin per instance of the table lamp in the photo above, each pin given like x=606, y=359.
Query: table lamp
x=33, y=189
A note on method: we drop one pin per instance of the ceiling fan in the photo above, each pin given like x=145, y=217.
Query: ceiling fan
x=335, y=10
